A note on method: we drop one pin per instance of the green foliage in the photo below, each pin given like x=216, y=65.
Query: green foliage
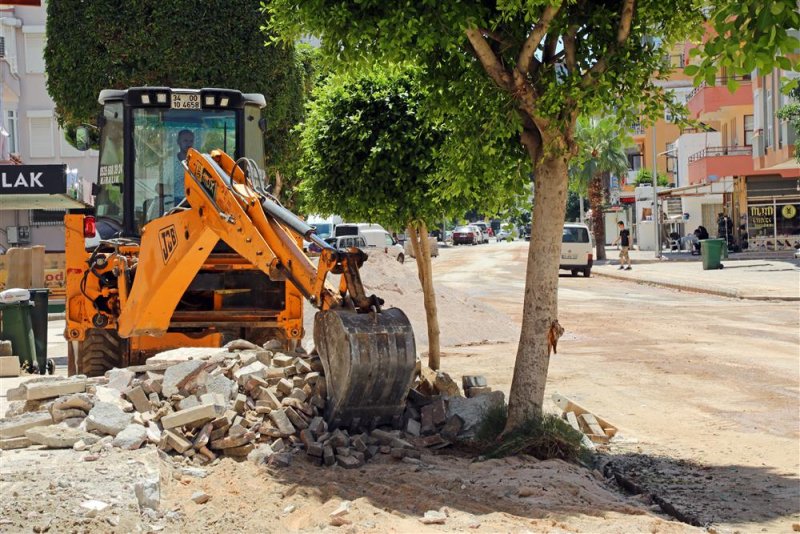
x=645, y=177
x=791, y=113
x=601, y=149
x=573, y=212
x=751, y=35
x=545, y=437
x=106, y=44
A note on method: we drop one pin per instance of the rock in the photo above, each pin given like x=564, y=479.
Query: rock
x=282, y=422
x=59, y=437
x=19, y=442
x=71, y=413
x=79, y=401
x=5, y=348
x=339, y=521
x=240, y=344
x=54, y=388
x=281, y=459
x=93, y=506
x=349, y=462
x=284, y=386
x=107, y=418
x=131, y=438
x=200, y=497
x=111, y=396
x=476, y=391
x=473, y=381
x=433, y=517
x=139, y=399
x=177, y=377
x=342, y=509
x=282, y=360
x=260, y=454
x=80, y=446
x=452, y=427
x=15, y=427
x=119, y=379
x=526, y=491
x=472, y=410
x=153, y=432
x=327, y=455
x=148, y=493
x=413, y=427
x=255, y=369
x=222, y=386
x=195, y=472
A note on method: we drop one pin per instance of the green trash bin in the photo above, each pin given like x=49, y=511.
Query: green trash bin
x=18, y=329
x=711, y=252
x=40, y=298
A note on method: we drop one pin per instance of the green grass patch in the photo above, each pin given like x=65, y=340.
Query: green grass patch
x=545, y=437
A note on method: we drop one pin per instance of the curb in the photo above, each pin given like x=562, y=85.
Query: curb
x=732, y=293
x=56, y=316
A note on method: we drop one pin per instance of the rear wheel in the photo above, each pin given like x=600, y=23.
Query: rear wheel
x=587, y=272
x=100, y=351
x=401, y=258
x=574, y=272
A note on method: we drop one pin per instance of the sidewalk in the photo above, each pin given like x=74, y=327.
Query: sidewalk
x=745, y=279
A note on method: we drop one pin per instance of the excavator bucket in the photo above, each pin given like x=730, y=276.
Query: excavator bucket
x=369, y=361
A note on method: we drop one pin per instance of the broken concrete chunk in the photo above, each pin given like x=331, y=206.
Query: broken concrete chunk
x=222, y=386
x=282, y=360
x=20, y=442
x=140, y=401
x=148, y=493
x=285, y=386
x=472, y=410
x=260, y=454
x=177, y=441
x=433, y=517
x=55, y=388
x=177, y=377
x=473, y=381
x=282, y=422
x=255, y=369
x=413, y=427
x=240, y=344
x=349, y=462
x=119, y=379
x=80, y=401
x=59, y=436
x=452, y=427
x=107, y=418
x=131, y=438
x=190, y=415
x=9, y=366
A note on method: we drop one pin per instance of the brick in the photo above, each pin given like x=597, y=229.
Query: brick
x=285, y=386
x=315, y=449
x=302, y=366
x=413, y=427
x=359, y=444
x=371, y=452
x=312, y=378
x=269, y=397
x=282, y=360
x=307, y=437
x=239, y=403
x=327, y=455
x=55, y=388
x=383, y=437
x=282, y=422
x=297, y=381
x=339, y=439
x=360, y=456
x=233, y=441
x=438, y=412
x=426, y=420
x=298, y=394
x=190, y=415
x=177, y=441
x=296, y=419
x=317, y=426
x=342, y=451
x=452, y=427
x=349, y=462
x=9, y=366
x=278, y=445
x=240, y=451
x=139, y=399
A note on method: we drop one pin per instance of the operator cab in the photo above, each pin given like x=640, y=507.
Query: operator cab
x=144, y=135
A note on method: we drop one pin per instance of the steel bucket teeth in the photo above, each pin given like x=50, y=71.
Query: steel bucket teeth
x=369, y=361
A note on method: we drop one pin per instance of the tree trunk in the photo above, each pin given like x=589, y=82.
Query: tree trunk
x=598, y=222
x=540, y=308
x=580, y=204
x=422, y=252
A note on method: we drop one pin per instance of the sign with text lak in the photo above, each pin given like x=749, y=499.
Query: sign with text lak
x=33, y=179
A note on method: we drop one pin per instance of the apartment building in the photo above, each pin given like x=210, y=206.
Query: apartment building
x=32, y=142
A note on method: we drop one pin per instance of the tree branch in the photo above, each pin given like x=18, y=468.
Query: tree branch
x=526, y=55
x=569, y=48
x=550, y=44
x=623, y=31
x=489, y=60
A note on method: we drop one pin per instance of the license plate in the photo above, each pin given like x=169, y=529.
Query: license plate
x=185, y=101
x=569, y=256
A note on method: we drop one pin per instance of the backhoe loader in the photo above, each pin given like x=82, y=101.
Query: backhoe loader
x=186, y=247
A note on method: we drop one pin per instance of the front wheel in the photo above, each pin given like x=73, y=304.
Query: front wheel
x=574, y=272
x=99, y=352
x=401, y=258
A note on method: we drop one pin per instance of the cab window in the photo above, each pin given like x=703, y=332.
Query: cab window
x=389, y=240
x=108, y=200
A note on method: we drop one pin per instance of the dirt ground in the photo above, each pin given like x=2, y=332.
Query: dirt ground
x=704, y=391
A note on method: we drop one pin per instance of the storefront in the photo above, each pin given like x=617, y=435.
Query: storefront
x=772, y=218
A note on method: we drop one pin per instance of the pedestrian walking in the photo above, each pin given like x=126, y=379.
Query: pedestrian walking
x=624, y=240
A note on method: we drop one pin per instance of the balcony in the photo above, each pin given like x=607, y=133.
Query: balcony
x=719, y=161
x=706, y=101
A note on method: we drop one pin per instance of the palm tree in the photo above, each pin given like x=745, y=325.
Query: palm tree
x=602, y=146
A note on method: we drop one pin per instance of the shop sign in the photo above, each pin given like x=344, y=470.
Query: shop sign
x=33, y=179
x=760, y=216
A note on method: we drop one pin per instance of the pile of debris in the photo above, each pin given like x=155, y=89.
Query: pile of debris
x=242, y=401
x=595, y=429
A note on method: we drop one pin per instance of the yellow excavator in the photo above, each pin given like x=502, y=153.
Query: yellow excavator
x=185, y=247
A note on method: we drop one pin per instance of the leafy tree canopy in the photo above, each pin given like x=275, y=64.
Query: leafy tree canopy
x=645, y=177
x=106, y=44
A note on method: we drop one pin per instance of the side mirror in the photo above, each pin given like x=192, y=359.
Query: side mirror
x=82, y=138
x=262, y=123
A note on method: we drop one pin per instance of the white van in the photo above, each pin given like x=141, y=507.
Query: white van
x=577, y=254
x=374, y=235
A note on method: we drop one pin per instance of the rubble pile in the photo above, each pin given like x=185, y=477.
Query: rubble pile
x=242, y=401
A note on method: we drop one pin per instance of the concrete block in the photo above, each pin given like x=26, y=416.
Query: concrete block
x=9, y=365
x=178, y=377
x=16, y=426
x=5, y=348
x=282, y=422
x=107, y=418
x=119, y=379
x=190, y=415
x=59, y=436
x=140, y=401
x=256, y=369
x=282, y=360
x=55, y=388
x=20, y=442
x=177, y=441
x=131, y=438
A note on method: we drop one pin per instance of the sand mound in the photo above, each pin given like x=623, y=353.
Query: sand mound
x=461, y=319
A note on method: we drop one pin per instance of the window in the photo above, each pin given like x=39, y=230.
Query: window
x=573, y=234
x=108, y=201
x=41, y=136
x=34, y=52
x=11, y=128
x=389, y=240
x=749, y=128
x=47, y=217
x=2, y=46
x=768, y=119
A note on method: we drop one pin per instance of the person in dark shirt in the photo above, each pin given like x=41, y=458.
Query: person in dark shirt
x=624, y=240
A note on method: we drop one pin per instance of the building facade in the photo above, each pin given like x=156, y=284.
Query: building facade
x=31, y=133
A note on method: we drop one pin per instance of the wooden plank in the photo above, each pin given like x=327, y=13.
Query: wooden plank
x=568, y=405
x=572, y=419
x=19, y=268
x=592, y=424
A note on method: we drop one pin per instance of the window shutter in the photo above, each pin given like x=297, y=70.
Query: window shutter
x=41, y=136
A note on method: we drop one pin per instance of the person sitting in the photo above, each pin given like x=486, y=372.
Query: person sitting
x=700, y=233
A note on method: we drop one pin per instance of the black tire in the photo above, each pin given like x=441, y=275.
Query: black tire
x=401, y=258
x=574, y=272
x=587, y=272
x=100, y=351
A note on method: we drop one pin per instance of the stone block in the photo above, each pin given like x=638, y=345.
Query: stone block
x=190, y=415
x=302, y=366
x=20, y=442
x=140, y=401
x=413, y=427
x=240, y=403
x=9, y=365
x=178, y=377
x=282, y=360
x=328, y=457
x=131, y=438
x=452, y=428
x=296, y=419
x=5, y=348
x=471, y=410
x=349, y=462
x=269, y=397
x=55, y=388
x=473, y=381
x=119, y=379
x=317, y=426
x=177, y=441
x=59, y=436
x=476, y=391
x=298, y=394
x=284, y=386
x=16, y=426
x=315, y=449
x=282, y=422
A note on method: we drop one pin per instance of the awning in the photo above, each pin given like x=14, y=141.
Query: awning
x=725, y=185
x=41, y=202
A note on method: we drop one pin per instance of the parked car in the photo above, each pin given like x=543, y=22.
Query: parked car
x=576, y=249
x=504, y=235
x=467, y=235
x=486, y=230
x=374, y=236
